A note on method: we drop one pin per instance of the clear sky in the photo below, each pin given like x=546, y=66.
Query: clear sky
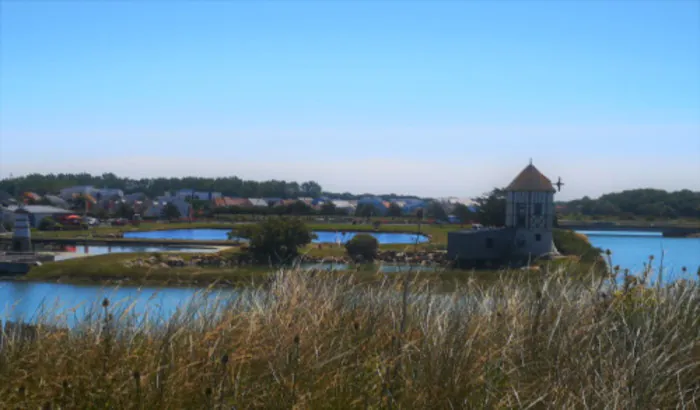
x=431, y=98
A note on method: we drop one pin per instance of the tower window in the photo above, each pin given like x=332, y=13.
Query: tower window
x=521, y=216
x=538, y=209
x=489, y=243
x=538, y=237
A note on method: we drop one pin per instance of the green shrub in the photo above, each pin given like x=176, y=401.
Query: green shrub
x=49, y=224
x=572, y=243
x=275, y=239
x=364, y=246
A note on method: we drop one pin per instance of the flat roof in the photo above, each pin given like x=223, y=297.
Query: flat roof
x=41, y=209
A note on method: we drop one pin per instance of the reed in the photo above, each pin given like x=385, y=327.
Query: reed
x=319, y=340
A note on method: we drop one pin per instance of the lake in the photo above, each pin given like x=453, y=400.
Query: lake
x=27, y=300
x=384, y=238
x=58, y=302
x=631, y=249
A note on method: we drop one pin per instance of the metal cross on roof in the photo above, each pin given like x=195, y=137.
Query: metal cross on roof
x=559, y=184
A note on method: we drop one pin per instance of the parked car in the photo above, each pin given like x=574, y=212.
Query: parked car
x=91, y=221
x=120, y=222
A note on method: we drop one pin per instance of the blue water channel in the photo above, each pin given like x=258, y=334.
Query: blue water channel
x=384, y=238
x=21, y=300
x=632, y=249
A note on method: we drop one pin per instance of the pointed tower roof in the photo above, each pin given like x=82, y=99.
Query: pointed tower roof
x=531, y=179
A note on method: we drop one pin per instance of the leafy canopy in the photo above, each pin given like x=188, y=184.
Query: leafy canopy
x=276, y=239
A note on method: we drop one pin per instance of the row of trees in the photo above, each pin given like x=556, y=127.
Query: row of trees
x=233, y=186
x=638, y=203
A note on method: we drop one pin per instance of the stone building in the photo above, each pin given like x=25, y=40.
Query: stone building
x=527, y=233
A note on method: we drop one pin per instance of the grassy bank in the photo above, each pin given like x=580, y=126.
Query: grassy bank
x=584, y=262
x=325, y=341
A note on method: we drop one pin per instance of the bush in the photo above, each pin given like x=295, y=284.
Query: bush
x=362, y=245
x=275, y=239
x=49, y=224
x=572, y=243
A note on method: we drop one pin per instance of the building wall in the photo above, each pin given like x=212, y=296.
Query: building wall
x=489, y=244
x=532, y=215
x=531, y=243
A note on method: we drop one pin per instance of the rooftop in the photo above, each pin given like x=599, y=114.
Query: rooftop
x=531, y=179
x=40, y=209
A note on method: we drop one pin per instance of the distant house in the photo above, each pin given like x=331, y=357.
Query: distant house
x=135, y=197
x=106, y=193
x=226, y=202
x=6, y=199
x=69, y=193
x=380, y=206
x=320, y=201
x=36, y=213
x=31, y=196
x=272, y=201
x=345, y=205
x=97, y=193
x=199, y=195
x=154, y=208
x=258, y=202
x=57, y=201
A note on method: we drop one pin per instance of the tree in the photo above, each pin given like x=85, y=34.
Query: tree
x=365, y=210
x=276, y=239
x=328, y=208
x=170, y=212
x=362, y=246
x=436, y=211
x=311, y=188
x=394, y=210
x=298, y=208
x=49, y=224
x=99, y=212
x=492, y=208
x=124, y=211
x=463, y=213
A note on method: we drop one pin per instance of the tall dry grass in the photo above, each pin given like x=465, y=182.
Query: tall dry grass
x=323, y=341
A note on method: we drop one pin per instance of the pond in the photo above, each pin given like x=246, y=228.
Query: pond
x=70, y=252
x=64, y=303
x=631, y=249
x=69, y=304
x=384, y=238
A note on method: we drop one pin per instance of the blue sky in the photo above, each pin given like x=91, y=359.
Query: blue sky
x=433, y=98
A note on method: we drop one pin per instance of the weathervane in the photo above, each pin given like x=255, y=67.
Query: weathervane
x=559, y=184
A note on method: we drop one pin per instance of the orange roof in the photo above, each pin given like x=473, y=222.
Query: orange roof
x=531, y=179
x=228, y=201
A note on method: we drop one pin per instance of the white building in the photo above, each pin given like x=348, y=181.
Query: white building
x=343, y=205
x=258, y=202
x=36, y=213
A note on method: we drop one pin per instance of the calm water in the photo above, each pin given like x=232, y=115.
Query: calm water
x=631, y=250
x=20, y=300
x=71, y=303
x=322, y=236
x=69, y=252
